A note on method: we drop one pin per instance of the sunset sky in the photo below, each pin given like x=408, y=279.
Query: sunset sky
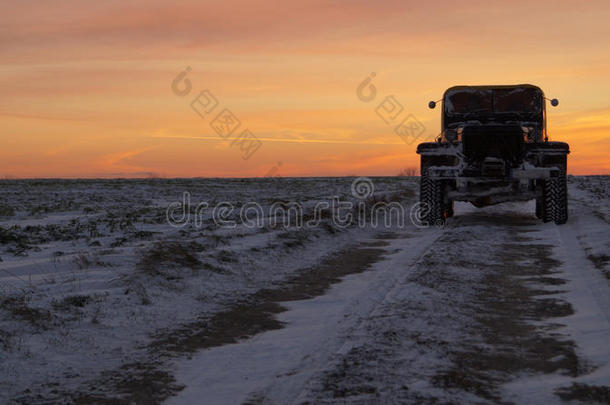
x=86, y=87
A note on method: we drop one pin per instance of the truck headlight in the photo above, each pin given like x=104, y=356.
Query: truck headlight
x=451, y=135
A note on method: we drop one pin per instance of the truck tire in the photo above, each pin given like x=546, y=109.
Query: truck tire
x=560, y=185
x=548, y=203
x=555, y=195
x=431, y=199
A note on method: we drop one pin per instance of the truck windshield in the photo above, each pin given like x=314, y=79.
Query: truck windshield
x=473, y=102
x=521, y=100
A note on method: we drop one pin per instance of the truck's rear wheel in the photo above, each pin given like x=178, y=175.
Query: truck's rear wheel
x=431, y=198
x=539, y=208
x=555, y=199
x=449, y=209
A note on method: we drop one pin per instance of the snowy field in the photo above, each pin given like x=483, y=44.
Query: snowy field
x=211, y=291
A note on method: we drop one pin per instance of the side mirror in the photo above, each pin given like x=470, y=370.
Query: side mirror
x=554, y=102
x=432, y=104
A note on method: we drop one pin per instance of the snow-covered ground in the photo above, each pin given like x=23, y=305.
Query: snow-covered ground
x=103, y=301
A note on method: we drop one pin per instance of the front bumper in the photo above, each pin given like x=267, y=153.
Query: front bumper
x=520, y=173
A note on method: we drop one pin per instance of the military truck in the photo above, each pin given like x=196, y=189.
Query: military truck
x=493, y=148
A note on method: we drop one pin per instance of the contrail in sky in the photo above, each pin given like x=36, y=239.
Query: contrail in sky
x=286, y=140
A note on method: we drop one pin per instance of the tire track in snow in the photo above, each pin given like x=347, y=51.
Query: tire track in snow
x=482, y=309
x=280, y=362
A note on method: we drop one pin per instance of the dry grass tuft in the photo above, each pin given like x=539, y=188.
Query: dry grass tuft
x=166, y=255
x=19, y=308
x=72, y=301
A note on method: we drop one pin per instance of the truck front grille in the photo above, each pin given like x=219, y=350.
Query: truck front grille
x=503, y=142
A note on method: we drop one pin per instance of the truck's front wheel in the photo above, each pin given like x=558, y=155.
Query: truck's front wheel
x=432, y=200
x=539, y=208
x=555, y=199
